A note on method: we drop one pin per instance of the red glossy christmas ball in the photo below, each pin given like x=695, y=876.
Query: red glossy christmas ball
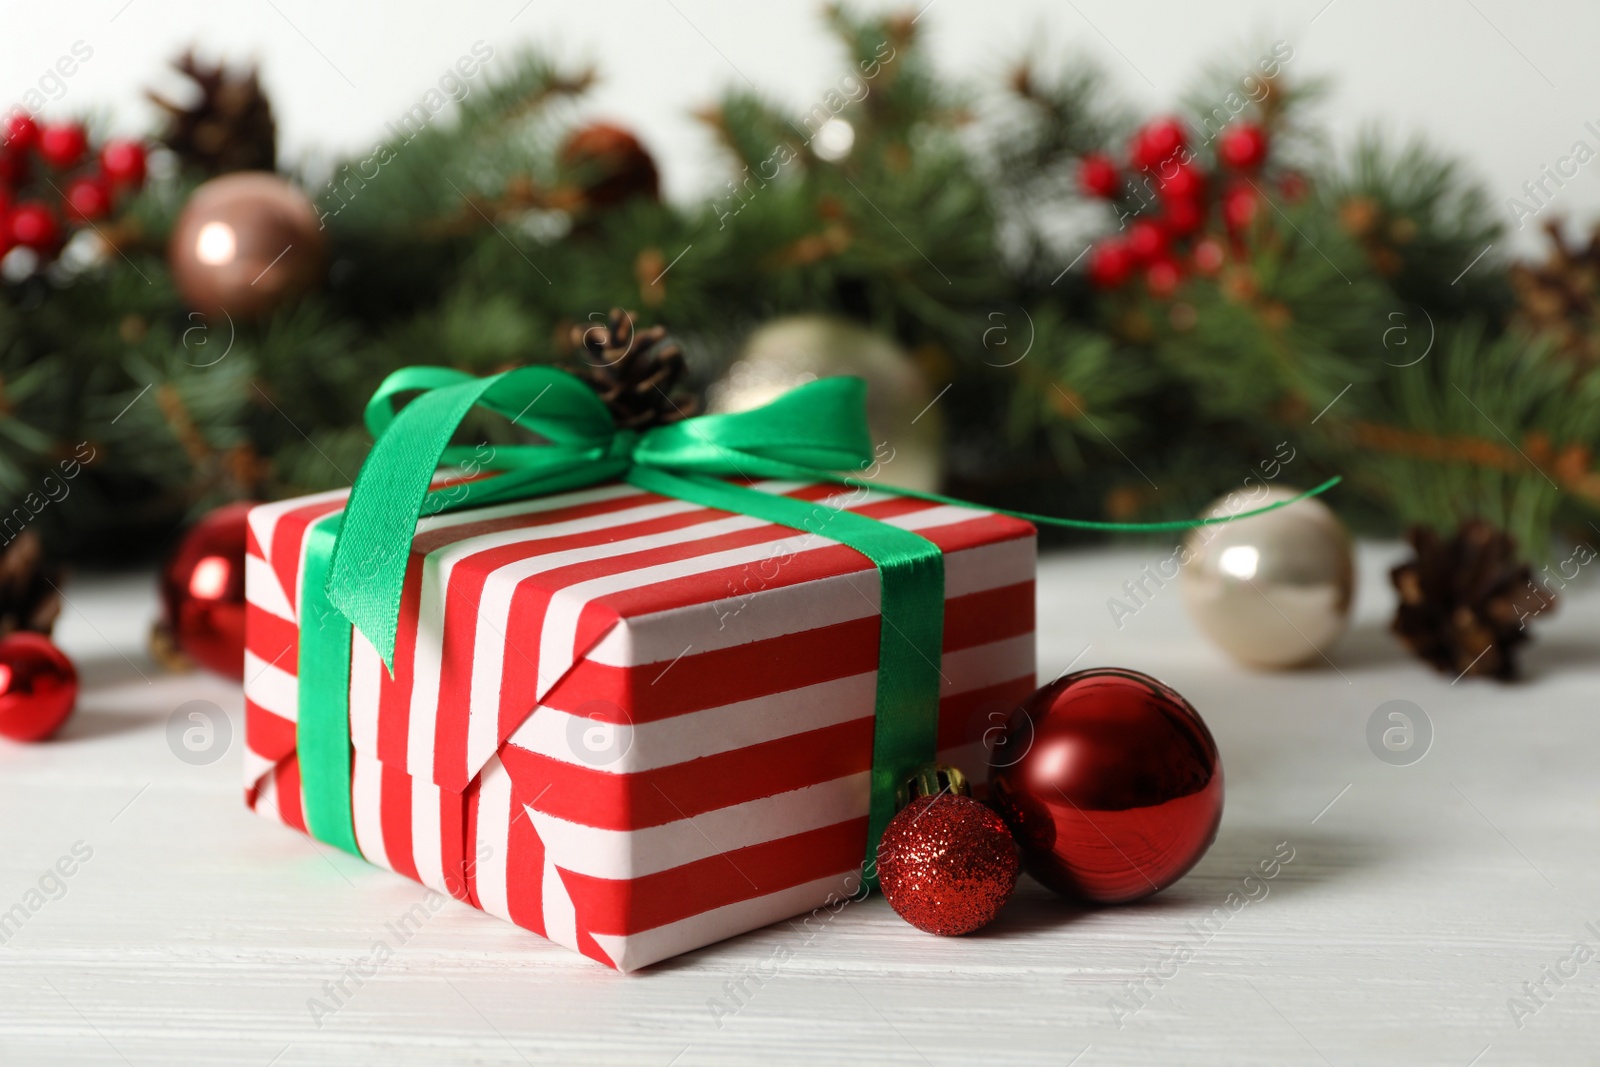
x=22, y=133
x=1111, y=785
x=202, y=591
x=38, y=686
x=1156, y=143
x=62, y=146
x=947, y=864
x=1110, y=264
x=1243, y=145
x=1097, y=175
x=88, y=199
x=123, y=162
x=1147, y=240
x=33, y=226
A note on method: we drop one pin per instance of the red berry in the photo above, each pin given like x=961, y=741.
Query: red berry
x=1147, y=240
x=1162, y=277
x=1293, y=186
x=1155, y=143
x=123, y=162
x=88, y=198
x=1098, y=175
x=33, y=226
x=22, y=133
x=1184, y=182
x=13, y=167
x=1243, y=146
x=1183, y=217
x=1110, y=264
x=62, y=146
x=1239, y=207
x=1208, y=256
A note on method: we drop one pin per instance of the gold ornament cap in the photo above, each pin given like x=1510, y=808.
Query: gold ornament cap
x=931, y=780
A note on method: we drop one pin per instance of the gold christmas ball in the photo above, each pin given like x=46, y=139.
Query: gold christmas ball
x=244, y=245
x=1274, y=590
x=907, y=434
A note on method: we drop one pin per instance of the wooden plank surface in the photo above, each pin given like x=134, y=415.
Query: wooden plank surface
x=1418, y=901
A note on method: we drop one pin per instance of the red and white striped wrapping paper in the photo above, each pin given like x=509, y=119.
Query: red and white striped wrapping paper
x=627, y=722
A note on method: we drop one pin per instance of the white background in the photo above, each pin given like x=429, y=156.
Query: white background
x=1505, y=85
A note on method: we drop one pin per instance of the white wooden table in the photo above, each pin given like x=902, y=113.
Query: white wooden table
x=1418, y=902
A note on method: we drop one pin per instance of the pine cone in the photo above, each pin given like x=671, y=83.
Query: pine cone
x=231, y=126
x=1556, y=299
x=1465, y=601
x=29, y=586
x=634, y=373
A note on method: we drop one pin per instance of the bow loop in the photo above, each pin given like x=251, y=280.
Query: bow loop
x=821, y=425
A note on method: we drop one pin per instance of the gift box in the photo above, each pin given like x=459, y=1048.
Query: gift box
x=632, y=723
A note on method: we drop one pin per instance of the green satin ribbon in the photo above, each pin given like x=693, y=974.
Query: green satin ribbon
x=356, y=562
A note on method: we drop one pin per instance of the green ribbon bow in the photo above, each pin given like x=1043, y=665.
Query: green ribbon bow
x=356, y=562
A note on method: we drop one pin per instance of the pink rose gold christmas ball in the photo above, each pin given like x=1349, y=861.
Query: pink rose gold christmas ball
x=244, y=245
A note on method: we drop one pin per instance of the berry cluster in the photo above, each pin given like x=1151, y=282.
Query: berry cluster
x=72, y=188
x=1165, y=198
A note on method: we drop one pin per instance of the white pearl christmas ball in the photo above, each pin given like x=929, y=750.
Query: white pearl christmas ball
x=1274, y=590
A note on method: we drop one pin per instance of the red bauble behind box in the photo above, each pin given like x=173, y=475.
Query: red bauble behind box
x=1111, y=784
x=202, y=591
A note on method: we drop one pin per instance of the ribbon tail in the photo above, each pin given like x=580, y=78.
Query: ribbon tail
x=322, y=726
x=368, y=570
x=1078, y=524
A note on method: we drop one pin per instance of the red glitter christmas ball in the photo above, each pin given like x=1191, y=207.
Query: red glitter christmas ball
x=38, y=686
x=1111, y=784
x=947, y=864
